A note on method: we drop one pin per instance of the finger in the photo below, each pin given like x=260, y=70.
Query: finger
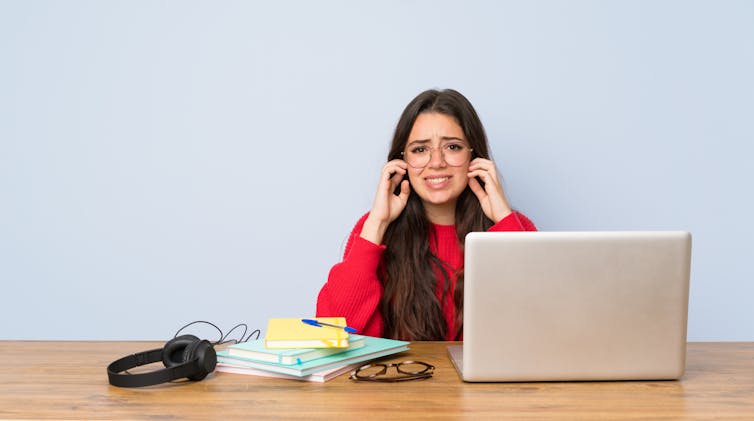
x=485, y=165
x=395, y=166
x=403, y=164
x=394, y=181
x=481, y=161
x=398, y=163
x=397, y=177
x=485, y=176
x=392, y=175
x=477, y=188
x=405, y=191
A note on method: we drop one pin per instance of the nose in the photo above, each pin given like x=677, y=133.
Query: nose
x=436, y=158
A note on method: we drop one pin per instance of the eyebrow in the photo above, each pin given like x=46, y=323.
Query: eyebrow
x=443, y=138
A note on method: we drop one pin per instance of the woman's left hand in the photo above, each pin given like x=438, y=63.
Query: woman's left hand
x=491, y=196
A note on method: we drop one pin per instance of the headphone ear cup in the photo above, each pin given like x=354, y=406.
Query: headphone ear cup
x=206, y=356
x=173, y=351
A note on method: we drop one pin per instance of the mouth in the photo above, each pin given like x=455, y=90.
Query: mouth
x=437, y=180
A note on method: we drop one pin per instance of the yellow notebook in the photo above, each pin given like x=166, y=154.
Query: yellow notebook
x=293, y=333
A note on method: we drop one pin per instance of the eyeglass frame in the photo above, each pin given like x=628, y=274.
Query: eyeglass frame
x=442, y=154
x=425, y=373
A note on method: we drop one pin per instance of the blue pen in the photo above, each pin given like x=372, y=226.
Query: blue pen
x=317, y=323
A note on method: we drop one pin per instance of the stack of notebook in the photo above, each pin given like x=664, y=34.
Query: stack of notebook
x=295, y=350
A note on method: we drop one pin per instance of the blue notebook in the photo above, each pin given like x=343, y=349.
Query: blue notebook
x=373, y=348
x=255, y=350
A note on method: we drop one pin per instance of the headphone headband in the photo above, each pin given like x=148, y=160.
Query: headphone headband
x=198, y=359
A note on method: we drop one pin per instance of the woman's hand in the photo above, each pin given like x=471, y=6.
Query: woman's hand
x=387, y=205
x=491, y=196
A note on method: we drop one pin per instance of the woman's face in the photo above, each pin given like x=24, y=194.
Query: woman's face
x=444, y=177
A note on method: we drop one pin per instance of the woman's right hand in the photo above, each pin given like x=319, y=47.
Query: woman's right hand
x=387, y=205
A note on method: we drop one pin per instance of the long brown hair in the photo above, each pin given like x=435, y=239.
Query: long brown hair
x=409, y=306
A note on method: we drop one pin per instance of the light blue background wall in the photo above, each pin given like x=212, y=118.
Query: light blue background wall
x=168, y=161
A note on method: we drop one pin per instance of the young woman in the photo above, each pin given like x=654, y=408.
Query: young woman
x=402, y=271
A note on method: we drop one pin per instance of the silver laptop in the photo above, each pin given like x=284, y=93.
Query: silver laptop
x=560, y=306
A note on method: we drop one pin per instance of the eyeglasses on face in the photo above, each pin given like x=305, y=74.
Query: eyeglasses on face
x=405, y=370
x=455, y=154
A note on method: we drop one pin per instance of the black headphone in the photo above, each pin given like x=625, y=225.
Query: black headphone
x=183, y=356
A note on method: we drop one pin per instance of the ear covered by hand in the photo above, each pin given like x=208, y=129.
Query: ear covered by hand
x=491, y=196
x=387, y=205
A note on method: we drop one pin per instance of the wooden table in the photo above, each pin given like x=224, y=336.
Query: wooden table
x=67, y=380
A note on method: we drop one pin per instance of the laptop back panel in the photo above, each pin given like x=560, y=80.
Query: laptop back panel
x=552, y=306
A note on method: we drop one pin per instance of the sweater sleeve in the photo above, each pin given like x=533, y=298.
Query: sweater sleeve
x=514, y=222
x=352, y=289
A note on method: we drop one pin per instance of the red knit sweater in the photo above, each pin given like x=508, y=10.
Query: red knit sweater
x=353, y=289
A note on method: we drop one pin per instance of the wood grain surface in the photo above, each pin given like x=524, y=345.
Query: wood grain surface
x=67, y=380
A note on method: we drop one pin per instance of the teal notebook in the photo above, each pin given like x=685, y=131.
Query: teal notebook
x=373, y=348
x=256, y=350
